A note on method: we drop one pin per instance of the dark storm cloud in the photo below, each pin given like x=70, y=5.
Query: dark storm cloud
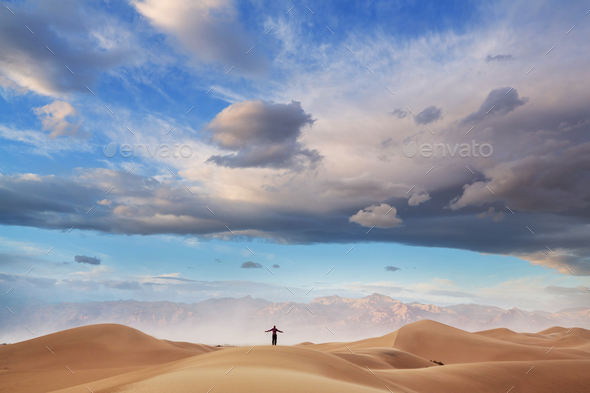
x=490, y=58
x=262, y=135
x=556, y=181
x=498, y=102
x=69, y=32
x=42, y=202
x=391, y=268
x=251, y=265
x=428, y=115
x=88, y=260
x=61, y=201
x=541, y=161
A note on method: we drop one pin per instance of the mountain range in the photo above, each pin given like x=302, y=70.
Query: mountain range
x=240, y=321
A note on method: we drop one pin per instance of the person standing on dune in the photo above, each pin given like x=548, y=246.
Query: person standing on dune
x=274, y=331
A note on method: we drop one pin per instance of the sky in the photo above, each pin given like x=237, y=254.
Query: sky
x=171, y=150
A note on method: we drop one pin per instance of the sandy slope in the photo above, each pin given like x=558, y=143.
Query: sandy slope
x=433, y=340
x=115, y=358
x=91, y=352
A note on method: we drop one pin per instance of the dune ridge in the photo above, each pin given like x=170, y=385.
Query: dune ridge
x=115, y=358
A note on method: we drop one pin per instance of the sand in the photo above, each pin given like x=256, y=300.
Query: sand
x=115, y=358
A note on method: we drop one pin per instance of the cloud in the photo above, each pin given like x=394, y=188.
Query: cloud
x=41, y=144
x=391, y=268
x=491, y=213
x=88, y=260
x=38, y=282
x=539, y=166
x=23, y=257
x=443, y=281
x=96, y=271
x=440, y=292
x=59, y=118
x=80, y=284
x=490, y=58
x=498, y=102
x=56, y=202
x=418, y=198
x=262, y=135
x=125, y=285
x=361, y=189
x=84, y=38
x=399, y=113
x=557, y=290
x=555, y=181
x=428, y=115
x=209, y=30
x=382, y=216
x=15, y=88
x=386, y=143
x=174, y=278
x=251, y=265
x=91, y=285
x=275, y=266
x=575, y=259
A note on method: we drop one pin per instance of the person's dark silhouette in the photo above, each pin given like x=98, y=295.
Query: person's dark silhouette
x=274, y=331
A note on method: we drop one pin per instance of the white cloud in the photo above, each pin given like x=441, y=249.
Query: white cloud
x=209, y=30
x=382, y=216
x=418, y=198
x=95, y=272
x=14, y=87
x=60, y=118
x=443, y=281
x=39, y=143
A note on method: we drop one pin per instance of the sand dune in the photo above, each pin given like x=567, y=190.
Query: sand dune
x=115, y=358
x=90, y=351
x=434, y=340
x=566, y=338
x=560, y=332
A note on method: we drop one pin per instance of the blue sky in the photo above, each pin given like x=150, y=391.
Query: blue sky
x=296, y=122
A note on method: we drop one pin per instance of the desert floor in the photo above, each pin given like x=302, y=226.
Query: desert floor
x=116, y=358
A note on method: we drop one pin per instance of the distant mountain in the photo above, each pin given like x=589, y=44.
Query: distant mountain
x=243, y=320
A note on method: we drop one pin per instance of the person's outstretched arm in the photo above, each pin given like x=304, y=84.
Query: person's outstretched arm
x=266, y=331
x=280, y=331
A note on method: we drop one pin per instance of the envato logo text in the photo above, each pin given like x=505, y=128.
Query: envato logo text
x=163, y=150
x=463, y=150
